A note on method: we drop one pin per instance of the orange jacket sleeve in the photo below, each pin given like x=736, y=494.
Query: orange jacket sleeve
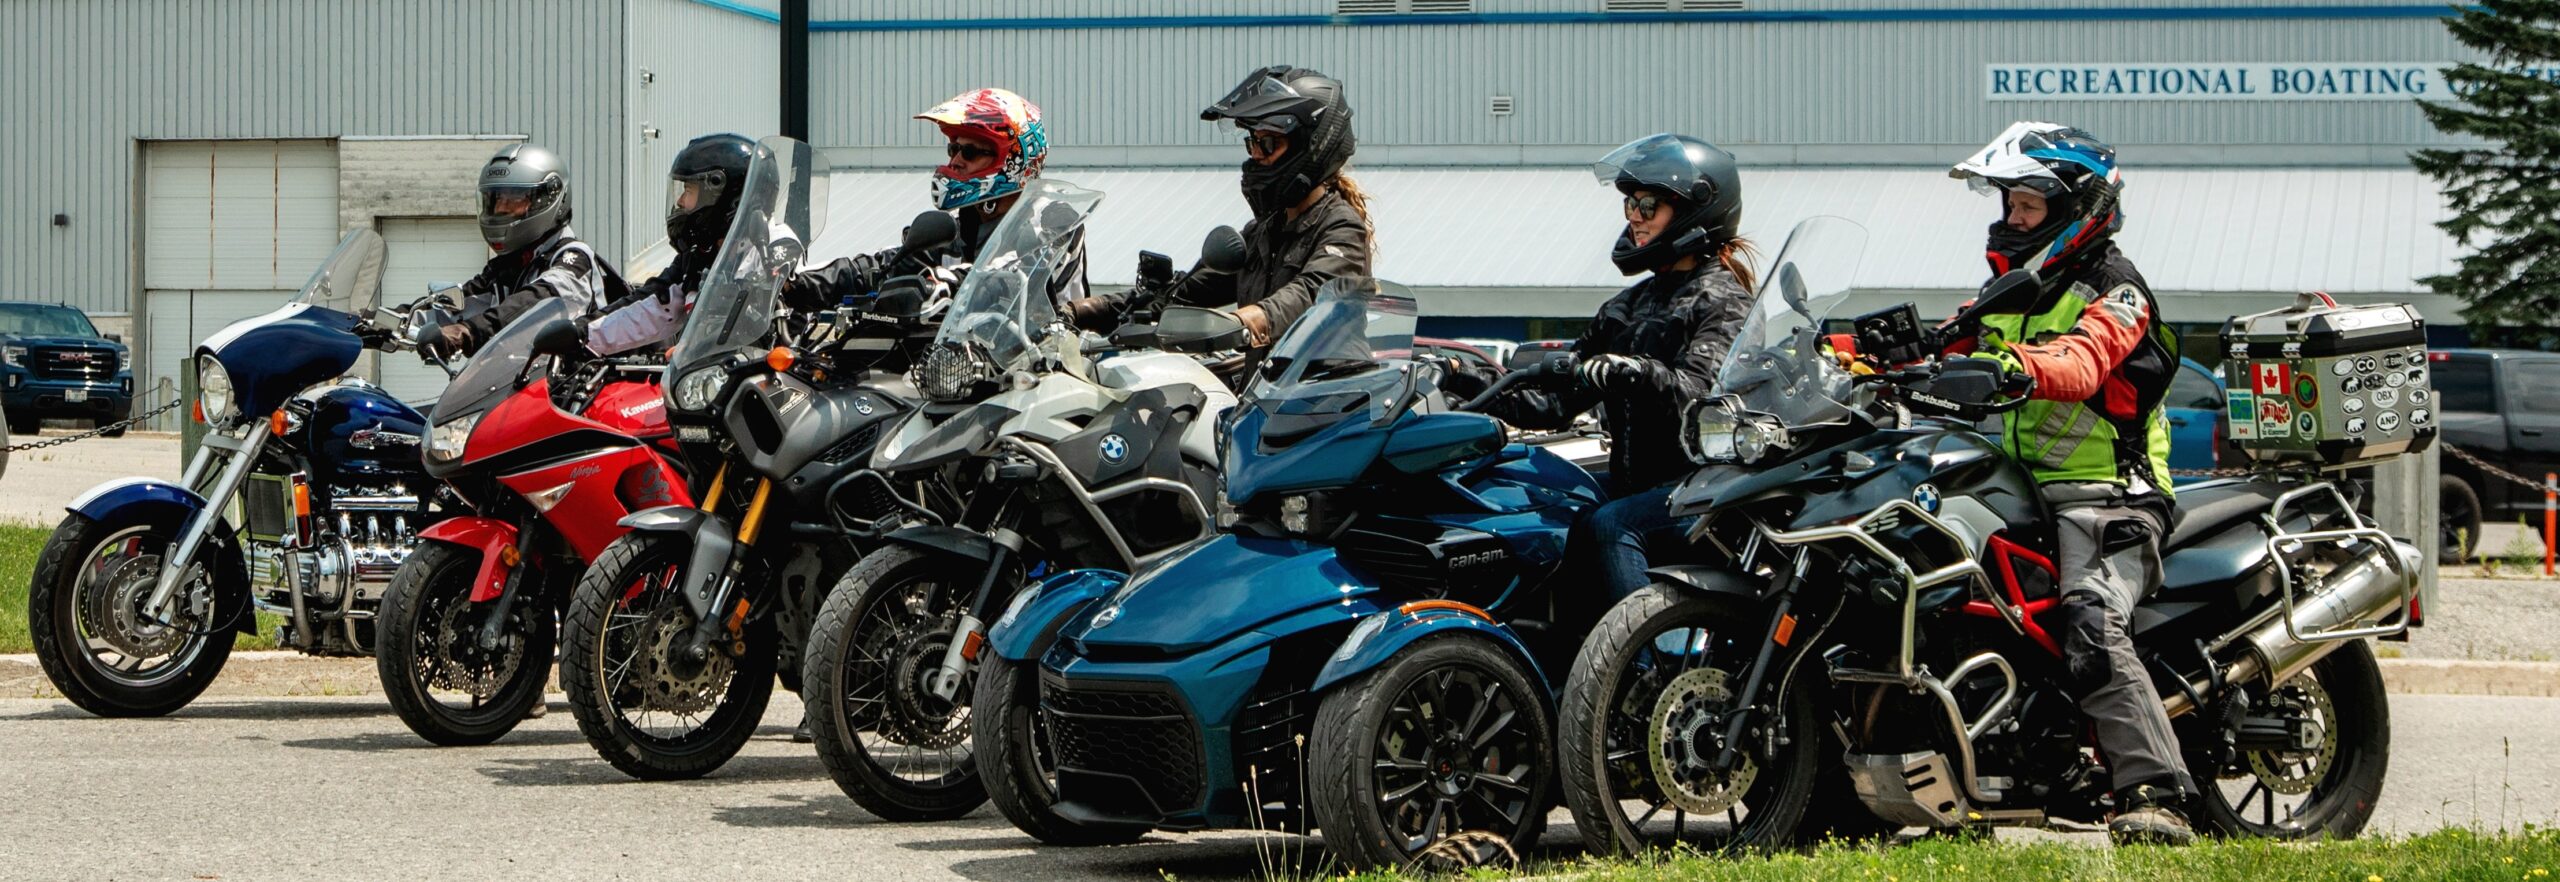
x=2073, y=366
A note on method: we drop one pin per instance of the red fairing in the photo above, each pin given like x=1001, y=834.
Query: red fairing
x=596, y=473
x=635, y=409
x=489, y=536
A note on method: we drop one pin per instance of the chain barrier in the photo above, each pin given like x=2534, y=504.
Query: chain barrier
x=2532, y=484
x=92, y=433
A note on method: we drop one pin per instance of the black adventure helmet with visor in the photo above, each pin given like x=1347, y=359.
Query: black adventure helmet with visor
x=1307, y=108
x=713, y=168
x=1703, y=190
x=524, y=197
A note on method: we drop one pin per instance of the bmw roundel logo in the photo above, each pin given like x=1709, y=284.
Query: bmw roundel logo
x=1108, y=615
x=862, y=405
x=1926, y=497
x=1114, y=448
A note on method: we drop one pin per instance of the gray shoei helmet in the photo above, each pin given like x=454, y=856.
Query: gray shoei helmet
x=1706, y=193
x=524, y=197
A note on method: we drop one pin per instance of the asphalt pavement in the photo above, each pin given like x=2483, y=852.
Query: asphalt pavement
x=335, y=788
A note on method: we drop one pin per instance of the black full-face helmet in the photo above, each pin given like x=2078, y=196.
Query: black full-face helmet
x=703, y=186
x=524, y=197
x=1302, y=105
x=1703, y=190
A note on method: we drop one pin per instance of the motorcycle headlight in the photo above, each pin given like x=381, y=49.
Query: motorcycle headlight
x=1710, y=435
x=1756, y=440
x=947, y=372
x=213, y=391
x=696, y=390
x=449, y=438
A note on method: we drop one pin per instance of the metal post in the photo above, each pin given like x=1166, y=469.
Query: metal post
x=795, y=69
x=190, y=432
x=2405, y=502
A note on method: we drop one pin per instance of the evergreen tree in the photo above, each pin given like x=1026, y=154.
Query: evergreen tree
x=2505, y=193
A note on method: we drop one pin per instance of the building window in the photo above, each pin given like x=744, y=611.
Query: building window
x=1409, y=7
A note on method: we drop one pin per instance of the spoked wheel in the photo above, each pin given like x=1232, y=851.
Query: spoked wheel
x=449, y=687
x=1644, y=718
x=894, y=745
x=1441, y=758
x=1020, y=765
x=2312, y=757
x=644, y=701
x=86, y=616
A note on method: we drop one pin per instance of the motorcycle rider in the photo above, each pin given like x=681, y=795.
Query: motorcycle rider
x=524, y=216
x=1653, y=347
x=703, y=186
x=2093, y=435
x=1310, y=220
x=995, y=145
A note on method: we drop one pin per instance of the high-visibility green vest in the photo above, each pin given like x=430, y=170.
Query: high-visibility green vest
x=2074, y=440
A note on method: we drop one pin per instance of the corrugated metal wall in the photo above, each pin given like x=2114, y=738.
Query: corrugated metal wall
x=83, y=82
x=712, y=71
x=907, y=10
x=1809, y=86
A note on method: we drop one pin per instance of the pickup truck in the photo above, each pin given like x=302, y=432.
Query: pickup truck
x=2503, y=406
x=54, y=363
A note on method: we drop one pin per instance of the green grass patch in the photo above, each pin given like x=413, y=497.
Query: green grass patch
x=2452, y=854
x=20, y=544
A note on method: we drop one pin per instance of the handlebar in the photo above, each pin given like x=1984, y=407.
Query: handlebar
x=1557, y=367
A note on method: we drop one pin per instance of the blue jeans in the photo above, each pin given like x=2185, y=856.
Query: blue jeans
x=1617, y=534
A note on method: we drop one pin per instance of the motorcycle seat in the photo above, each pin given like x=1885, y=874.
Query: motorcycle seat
x=2208, y=508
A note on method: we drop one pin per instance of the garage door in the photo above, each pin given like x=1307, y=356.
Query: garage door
x=424, y=250
x=231, y=228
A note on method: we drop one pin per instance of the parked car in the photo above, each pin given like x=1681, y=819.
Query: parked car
x=54, y=363
x=2196, y=435
x=1500, y=349
x=1532, y=352
x=2503, y=406
x=1473, y=358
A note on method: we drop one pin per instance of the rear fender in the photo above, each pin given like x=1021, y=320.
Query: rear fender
x=713, y=542
x=490, y=538
x=1033, y=621
x=1381, y=635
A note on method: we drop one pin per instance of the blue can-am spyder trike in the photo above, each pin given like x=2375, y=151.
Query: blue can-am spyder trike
x=1364, y=651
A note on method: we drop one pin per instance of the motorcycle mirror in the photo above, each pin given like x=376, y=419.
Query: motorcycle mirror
x=1791, y=286
x=1222, y=251
x=931, y=229
x=558, y=337
x=2013, y=291
x=1196, y=329
x=1154, y=270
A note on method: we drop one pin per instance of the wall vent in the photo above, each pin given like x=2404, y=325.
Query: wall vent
x=1501, y=105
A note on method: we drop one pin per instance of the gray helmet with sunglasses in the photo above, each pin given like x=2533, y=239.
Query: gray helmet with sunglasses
x=1699, y=185
x=1307, y=108
x=714, y=169
x=524, y=197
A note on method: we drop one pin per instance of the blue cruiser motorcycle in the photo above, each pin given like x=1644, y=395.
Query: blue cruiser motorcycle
x=1365, y=652
x=139, y=590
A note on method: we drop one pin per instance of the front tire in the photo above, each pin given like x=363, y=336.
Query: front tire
x=640, y=704
x=2325, y=792
x=1451, y=736
x=84, y=616
x=2457, y=520
x=1015, y=760
x=429, y=654
x=899, y=750
x=1627, y=689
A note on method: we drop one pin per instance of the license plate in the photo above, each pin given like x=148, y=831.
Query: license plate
x=75, y=396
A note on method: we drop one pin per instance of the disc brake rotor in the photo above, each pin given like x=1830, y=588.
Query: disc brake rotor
x=665, y=685
x=460, y=664
x=1688, y=724
x=2295, y=772
x=916, y=716
x=111, y=606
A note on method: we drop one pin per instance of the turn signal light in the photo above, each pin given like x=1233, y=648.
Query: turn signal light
x=198, y=410
x=781, y=358
x=275, y=422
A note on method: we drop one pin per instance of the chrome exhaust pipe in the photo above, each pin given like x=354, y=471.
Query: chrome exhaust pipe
x=2363, y=590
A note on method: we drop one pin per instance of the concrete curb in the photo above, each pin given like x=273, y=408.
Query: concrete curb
x=290, y=673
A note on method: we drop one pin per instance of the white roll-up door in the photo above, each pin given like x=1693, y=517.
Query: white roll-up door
x=423, y=250
x=231, y=230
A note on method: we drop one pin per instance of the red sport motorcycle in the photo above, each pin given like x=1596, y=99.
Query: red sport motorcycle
x=549, y=449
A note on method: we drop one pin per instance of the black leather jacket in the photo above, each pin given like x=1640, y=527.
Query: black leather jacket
x=1681, y=324
x=862, y=274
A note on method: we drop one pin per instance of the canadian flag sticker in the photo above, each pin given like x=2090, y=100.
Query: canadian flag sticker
x=2274, y=377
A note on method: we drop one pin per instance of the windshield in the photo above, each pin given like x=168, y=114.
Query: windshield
x=741, y=292
x=493, y=370
x=31, y=320
x=351, y=279
x=1777, y=366
x=1347, y=354
x=1002, y=309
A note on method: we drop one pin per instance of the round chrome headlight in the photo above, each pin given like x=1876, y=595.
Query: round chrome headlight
x=213, y=390
x=693, y=393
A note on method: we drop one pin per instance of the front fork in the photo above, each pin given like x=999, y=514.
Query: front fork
x=243, y=453
x=714, y=627
x=1758, y=675
x=972, y=633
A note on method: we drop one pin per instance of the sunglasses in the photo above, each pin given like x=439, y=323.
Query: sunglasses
x=971, y=152
x=1264, y=143
x=1642, y=207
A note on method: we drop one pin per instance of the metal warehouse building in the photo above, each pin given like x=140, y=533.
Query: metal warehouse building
x=184, y=162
